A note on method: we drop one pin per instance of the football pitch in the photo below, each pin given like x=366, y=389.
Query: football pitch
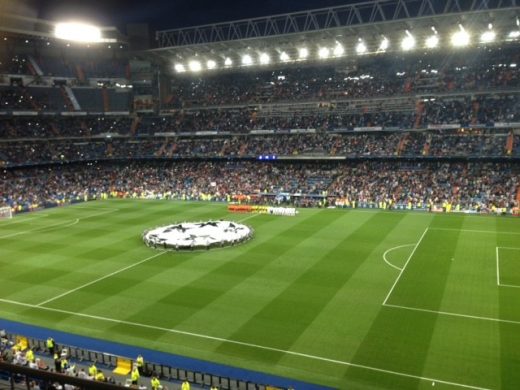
x=351, y=299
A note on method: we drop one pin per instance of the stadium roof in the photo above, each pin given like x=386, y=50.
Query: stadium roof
x=281, y=37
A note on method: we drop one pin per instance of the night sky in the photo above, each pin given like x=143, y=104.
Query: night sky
x=165, y=14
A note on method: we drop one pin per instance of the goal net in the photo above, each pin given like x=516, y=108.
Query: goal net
x=6, y=212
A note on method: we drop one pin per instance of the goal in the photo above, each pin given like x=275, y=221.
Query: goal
x=6, y=212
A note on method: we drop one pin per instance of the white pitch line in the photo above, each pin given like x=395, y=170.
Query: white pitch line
x=404, y=266
x=245, y=344
x=508, y=248
x=9, y=223
x=509, y=285
x=101, y=278
x=447, y=313
x=392, y=249
x=473, y=231
x=59, y=224
x=498, y=268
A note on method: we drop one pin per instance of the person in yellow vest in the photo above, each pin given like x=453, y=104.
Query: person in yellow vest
x=51, y=345
x=29, y=356
x=57, y=363
x=100, y=377
x=64, y=364
x=155, y=383
x=140, y=364
x=92, y=370
x=134, y=375
x=185, y=385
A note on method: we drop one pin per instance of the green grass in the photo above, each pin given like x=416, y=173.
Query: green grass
x=303, y=299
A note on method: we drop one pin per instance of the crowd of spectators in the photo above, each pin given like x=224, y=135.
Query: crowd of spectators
x=413, y=144
x=468, y=185
x=388, y=76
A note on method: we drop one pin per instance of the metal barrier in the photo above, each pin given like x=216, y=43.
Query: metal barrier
x=163, y=371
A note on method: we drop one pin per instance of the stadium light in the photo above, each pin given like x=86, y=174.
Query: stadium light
x=211, y=64
x=228, y=61
x=323, y=52
x=264, y=58
x=247, y=60
x=303, y=53
x=195, y=66
x=339, y=50
x=460, y=38
x=432, y=41
x=489, y=35
x=361, y=48
x=384, y=44
x=514, y=34
x=408, y=42
x=78, y=32
x=284, y=56
x=179, y=68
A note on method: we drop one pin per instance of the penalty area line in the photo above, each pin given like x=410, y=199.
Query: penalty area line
x=393, y=249
x=245, y=344
x=404, y=266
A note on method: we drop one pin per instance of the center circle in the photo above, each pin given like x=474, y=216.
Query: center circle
x=197, y=235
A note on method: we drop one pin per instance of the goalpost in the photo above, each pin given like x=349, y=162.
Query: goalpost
x=6, y=213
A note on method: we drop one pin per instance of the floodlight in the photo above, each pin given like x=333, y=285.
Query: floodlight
x=361, y=48
x=432, y=41
x=79, y=32
x=338, y=50
x=323, y=52
x=460, y=38
x=247, y=60
x=211, y=64
x=179, y=68
x=408, y=42
x=303, y=52
x=514, y=34
x=228, y=61
x=264, y=58
x=195, y=66
x=488, y=36
x=284, y=56
x=384, y=44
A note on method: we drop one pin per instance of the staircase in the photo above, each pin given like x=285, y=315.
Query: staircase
x=419, y=110
x=510, y=143
x=106, y=100
x=402, y=144
x=475, y=106
x=135, y=125
x=34, y=67
x=80, y=74
x=70, y=99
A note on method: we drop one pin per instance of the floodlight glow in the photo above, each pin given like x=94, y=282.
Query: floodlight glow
x=460, y=38
x=195, y=66
x=284, y=56
x=408, y=42
x=488, y=36
x=303, y=52
x=228, y=61
x=78, y=32
x=338, y=50
x=323, y=52
x=384, y=44
x=514, y=34
x=361, y=48
x=432, y=41
x=264, y=58
x=247, y=60
x=211, y=64
x=179, y=68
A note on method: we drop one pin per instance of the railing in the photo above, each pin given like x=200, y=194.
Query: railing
x=165, y=372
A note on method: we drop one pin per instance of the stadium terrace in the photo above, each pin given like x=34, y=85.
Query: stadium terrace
x=366, y=157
